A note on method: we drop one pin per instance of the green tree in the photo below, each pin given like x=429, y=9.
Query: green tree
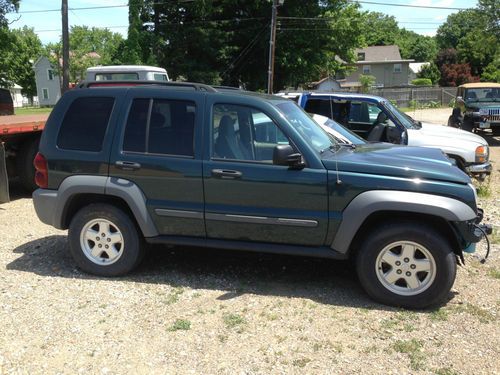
x=379, y=29
x=25, y=49
x=415, y=46
x=492, y=72
x=6, y=38
x=131, y=49
x=457, y=26
x=367, y=82
x=431, y=72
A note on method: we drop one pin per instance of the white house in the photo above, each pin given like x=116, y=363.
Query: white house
x=48, y=85
x=17, y=97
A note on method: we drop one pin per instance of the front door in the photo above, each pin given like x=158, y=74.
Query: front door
x=248, y=198
x=159, y=150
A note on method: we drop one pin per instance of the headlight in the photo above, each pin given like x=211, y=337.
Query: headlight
x=482, y=153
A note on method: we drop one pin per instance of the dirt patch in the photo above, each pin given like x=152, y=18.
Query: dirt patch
x=216, y=312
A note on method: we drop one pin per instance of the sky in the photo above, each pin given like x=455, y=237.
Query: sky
x=48, y=24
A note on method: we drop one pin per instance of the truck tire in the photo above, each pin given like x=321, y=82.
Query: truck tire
x=105, y=241
x=468, y=125
x=406, y=264
x=496, y=131
x=24, y=160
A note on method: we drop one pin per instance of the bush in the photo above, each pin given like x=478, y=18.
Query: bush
x=422, y=82
x=431, y=72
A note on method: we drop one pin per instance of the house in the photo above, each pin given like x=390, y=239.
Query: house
x=48, y=84
x=17, y=97
x=415, y=68
x=325, y=84
x=382, y=62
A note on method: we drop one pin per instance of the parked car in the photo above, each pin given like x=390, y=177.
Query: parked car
x=477, y=106
x=377, y=119
x=6, y=104
x=182, y=163
x=126, y=73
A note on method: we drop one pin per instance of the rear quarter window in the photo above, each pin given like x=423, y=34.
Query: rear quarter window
x=85, y=124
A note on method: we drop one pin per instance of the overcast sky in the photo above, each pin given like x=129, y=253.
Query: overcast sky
x=48, y=24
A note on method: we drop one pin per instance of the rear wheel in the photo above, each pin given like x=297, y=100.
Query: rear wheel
x=406, y=264
x=104, y=241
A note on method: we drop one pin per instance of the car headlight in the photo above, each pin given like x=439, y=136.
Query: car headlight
x=482, y=153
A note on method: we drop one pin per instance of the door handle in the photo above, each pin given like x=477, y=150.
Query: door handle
x=127, y=165
x=226, y=173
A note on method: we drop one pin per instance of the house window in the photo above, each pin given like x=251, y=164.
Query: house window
x=45, y=94
x=397, y=68
x=361, y=56
x=50, y=74
x=367, y=69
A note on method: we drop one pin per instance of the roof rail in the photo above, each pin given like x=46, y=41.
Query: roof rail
x=220, y=87
x=194, y=86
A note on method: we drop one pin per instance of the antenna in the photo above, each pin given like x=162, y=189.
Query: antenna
x=337, y=150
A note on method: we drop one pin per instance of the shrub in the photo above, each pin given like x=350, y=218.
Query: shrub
x=422, y=82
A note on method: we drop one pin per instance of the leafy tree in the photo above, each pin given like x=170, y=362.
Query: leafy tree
x=379, y=29
x=415, y=46
x=367, y=82
x=130, y=51
x=6, y=38
x=456, y=75
x=492, y=72
x=25, y=49
x=431, y=72
x=457, y=26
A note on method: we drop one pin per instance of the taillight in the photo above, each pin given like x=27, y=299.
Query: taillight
x=41, y=171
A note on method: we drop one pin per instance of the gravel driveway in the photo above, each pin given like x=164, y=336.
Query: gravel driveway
x=215, y=312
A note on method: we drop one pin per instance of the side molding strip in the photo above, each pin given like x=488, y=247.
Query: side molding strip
x=262, y=220
x=179, y=213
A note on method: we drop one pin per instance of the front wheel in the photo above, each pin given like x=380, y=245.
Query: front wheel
x=104, y=240
x=407, y=265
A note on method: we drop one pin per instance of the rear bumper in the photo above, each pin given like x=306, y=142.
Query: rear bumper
x=45, y=202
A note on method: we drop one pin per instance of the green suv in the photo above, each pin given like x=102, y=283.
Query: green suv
x=188, y=164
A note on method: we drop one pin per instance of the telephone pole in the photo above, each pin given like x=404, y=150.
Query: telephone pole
x=272, y=42
x=65, y=47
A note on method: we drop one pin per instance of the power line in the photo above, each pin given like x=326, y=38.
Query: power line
x=406, y=5
x=72, y=9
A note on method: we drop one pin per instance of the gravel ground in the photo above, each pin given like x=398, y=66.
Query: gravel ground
x=200, y=311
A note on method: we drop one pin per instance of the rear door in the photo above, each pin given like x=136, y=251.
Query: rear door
x=159, y=150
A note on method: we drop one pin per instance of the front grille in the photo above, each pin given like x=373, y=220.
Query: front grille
x=494, y=115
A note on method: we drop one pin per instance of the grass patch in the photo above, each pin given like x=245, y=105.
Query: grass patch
x=481, y=314
x=413, y=348
x=446, y=371
x=32, y=110
x=180, y=325
x=233, y=320
x=495, y=236
x=439, y=315
x=493, y=272
x=302, y=362
x=483, y=188
x=173, y=296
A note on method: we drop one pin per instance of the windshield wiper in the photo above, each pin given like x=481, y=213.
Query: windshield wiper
x=350, y=145
x=329, y=148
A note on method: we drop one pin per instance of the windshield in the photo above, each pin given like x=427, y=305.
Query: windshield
x=403, y=118
x=491, y=94
x=345, y=133
x=312, y=133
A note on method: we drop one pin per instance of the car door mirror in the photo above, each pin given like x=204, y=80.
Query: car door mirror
x=285, y=155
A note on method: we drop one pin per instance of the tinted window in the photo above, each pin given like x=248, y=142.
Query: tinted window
x=85, y=124
x=160, y=127
x=116, y=77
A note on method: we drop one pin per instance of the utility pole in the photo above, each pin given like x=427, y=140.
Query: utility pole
x=65, y=47
x=272, y=42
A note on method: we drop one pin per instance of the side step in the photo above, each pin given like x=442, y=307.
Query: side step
x=259, y=247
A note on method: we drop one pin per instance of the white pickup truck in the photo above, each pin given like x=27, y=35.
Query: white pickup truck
x=378, y=120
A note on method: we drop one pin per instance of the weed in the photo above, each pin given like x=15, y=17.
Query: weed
x=173, y=296
x=483, y=188
x=370, y=349
x=180, y=325
x=233, y=320
x=302, y=362
x=222, y=338
x=413, y=348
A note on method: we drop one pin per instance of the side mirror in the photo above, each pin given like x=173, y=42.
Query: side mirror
x=285, y=155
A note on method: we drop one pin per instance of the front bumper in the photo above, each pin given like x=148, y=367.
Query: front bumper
x=484, y=168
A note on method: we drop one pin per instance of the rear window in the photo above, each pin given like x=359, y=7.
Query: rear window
x=116, y=77
x=85, y=124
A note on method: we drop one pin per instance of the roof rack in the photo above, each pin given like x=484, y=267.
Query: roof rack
x=194, y=86
x=220, y=87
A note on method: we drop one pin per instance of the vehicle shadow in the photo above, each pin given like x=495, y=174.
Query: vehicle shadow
x=236, y=273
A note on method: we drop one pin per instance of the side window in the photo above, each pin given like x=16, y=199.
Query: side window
x=323, y=107
x=243, y=133
x=85, y=124
x=160, y=126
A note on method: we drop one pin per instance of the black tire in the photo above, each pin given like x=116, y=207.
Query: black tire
x=130, y=253
x=468, y=125
x=496, y=131
x=25, y=168
x=437, y=288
